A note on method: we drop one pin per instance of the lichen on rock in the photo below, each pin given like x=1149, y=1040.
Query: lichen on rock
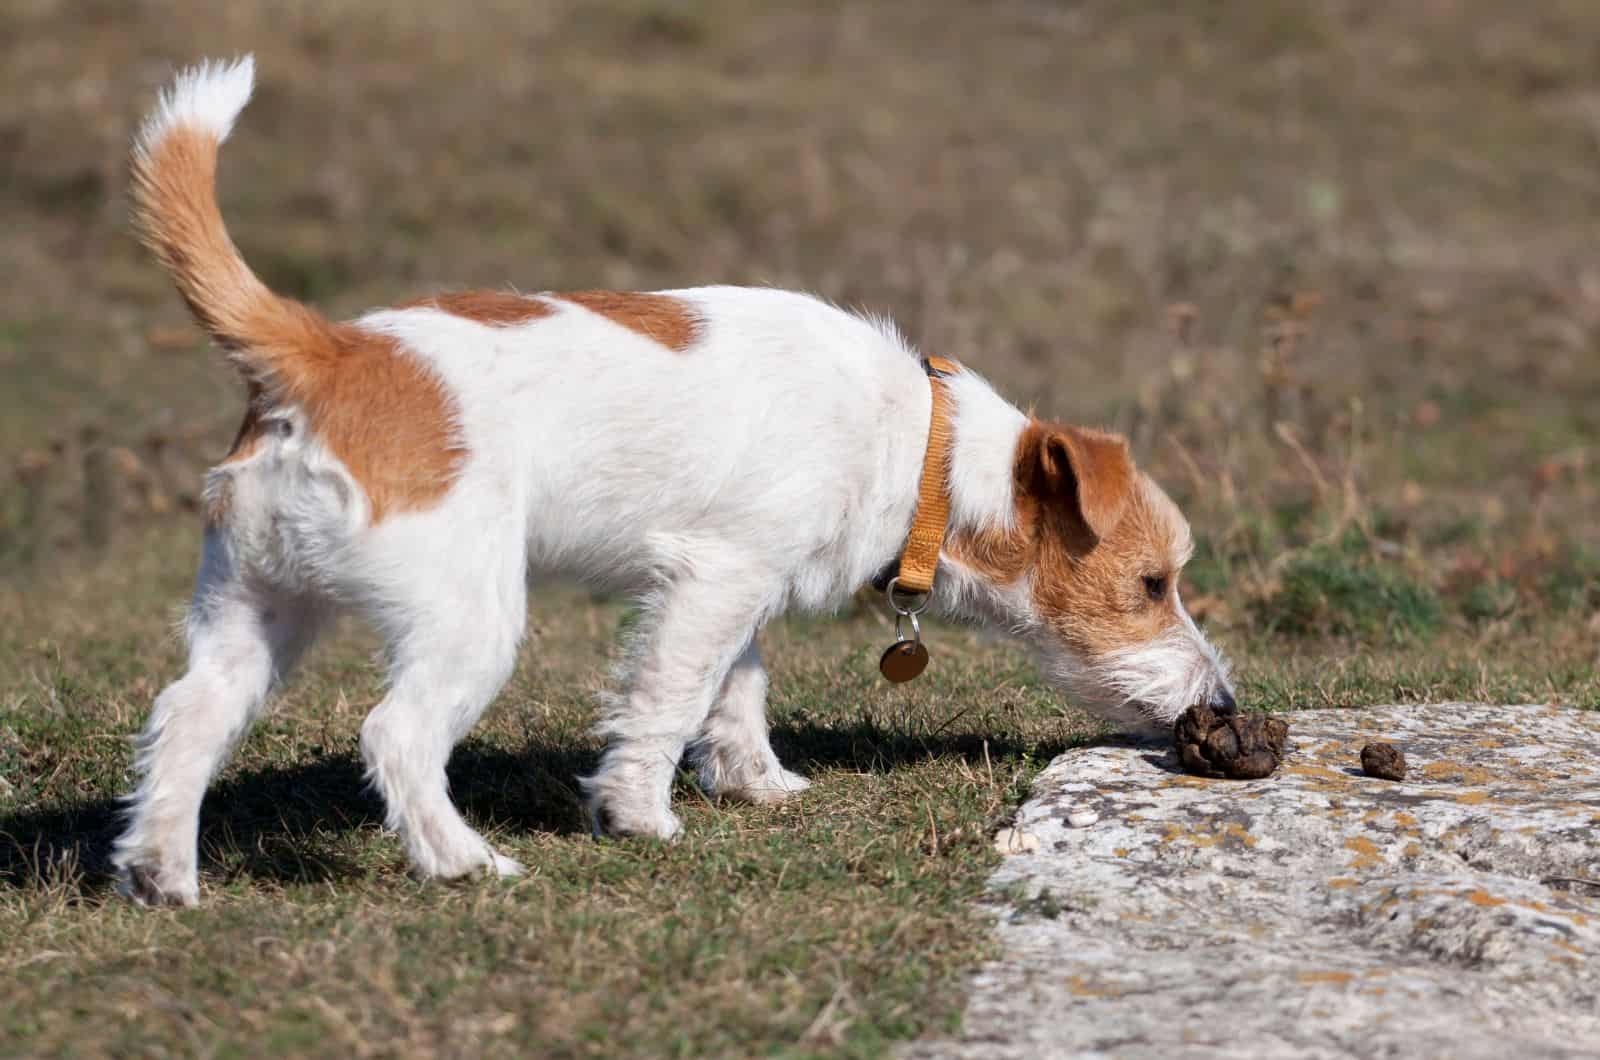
x=1319, y=913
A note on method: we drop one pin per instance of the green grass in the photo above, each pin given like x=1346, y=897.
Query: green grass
x=1328, y=590
x=1330, y=270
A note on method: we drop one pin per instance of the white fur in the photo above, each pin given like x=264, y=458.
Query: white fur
x=983, y=455
x=1144, y=687
x=772, y=465
x=207, y=97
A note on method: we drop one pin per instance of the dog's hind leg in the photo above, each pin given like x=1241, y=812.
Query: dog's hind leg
x=243, y=639
x=733, y=754
x=696, y=629
x=449, y=656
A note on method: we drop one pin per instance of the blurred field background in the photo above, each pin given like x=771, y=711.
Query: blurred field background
x=1335, y=268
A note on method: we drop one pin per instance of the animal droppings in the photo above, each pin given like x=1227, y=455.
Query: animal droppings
x=1384, y=761
x=1236, y=746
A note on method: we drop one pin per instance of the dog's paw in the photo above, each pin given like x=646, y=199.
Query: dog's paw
x=470, y=858
x=151, y=887
x=640, y=823
x=774, y=787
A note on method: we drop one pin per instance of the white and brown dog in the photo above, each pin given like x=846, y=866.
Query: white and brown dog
x=727, y=453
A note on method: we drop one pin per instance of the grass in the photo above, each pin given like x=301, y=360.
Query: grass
x=1330, y=268
x=1339, y=589
x=787, y=925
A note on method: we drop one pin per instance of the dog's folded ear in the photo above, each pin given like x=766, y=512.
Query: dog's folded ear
x=1088, y=472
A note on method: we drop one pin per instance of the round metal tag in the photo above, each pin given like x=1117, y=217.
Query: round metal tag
x=903, y=660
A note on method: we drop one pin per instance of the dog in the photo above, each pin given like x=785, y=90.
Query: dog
x=726, y=454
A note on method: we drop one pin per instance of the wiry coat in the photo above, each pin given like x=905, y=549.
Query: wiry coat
x=725, y=453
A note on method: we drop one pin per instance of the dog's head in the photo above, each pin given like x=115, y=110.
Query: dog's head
x=1088, y=572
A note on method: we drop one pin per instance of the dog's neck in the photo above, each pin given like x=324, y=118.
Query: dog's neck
x=982, y=490
x=983, y=455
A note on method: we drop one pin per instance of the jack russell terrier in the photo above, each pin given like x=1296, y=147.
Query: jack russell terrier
x=725, y=453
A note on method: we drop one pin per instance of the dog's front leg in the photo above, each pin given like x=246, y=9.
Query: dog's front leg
x=733, y=753
x=693, y=632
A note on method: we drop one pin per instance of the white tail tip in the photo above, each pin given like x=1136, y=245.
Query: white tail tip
x=208, y=96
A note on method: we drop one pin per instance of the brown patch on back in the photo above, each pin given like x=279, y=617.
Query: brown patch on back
x=496, y=308
x=660, y=317
x=1087, y=585
x=385, y=415
x=378, y=408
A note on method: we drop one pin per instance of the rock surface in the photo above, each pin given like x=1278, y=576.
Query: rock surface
x=1317, y=913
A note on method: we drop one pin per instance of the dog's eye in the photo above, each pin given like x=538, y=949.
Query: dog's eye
x=1155, y=587
x=283, y=427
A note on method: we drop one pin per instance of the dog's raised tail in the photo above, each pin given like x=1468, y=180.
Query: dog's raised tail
x=175, y=210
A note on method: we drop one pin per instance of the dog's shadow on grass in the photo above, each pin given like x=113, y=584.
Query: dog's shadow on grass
x=291, y=823
x=869, y=748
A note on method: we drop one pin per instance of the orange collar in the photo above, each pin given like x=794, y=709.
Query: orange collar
x=920, y=557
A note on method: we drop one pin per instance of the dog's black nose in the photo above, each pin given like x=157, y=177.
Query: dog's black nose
x=1224, y=703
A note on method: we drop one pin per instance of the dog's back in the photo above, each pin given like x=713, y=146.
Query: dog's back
x=616, y=432
x=771, y=420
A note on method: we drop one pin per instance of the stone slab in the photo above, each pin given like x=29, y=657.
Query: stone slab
x=1315, y=913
